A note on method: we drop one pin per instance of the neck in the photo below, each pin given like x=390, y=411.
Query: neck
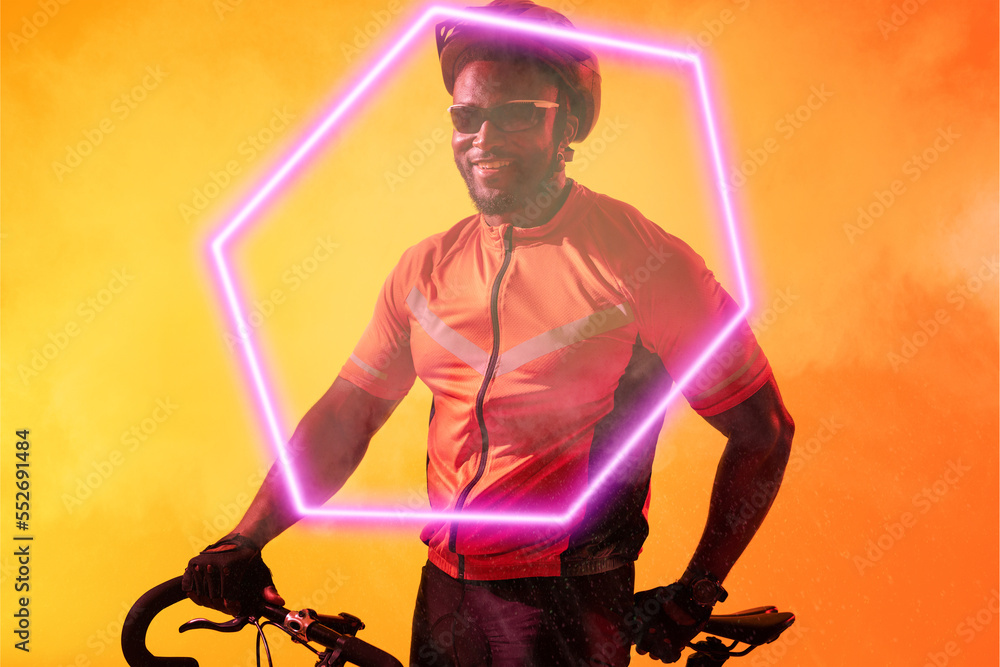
x=539, y=209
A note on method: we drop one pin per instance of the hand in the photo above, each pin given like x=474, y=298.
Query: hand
x=230, y=576
x=665, y=619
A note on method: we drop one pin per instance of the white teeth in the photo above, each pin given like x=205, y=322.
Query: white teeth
x=493, y=165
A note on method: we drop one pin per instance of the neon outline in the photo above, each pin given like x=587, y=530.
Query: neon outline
x=262, y=195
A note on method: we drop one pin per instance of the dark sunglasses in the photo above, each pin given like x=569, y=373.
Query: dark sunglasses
x=512, y=116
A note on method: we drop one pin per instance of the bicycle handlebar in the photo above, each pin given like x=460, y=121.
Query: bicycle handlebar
x=756, y=626
x=353, y=649
x=169, y=593
x=137, y=623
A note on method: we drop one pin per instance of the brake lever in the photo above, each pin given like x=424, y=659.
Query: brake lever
x=234, y=625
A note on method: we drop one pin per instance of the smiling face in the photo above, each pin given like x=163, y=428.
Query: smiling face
x=503, y=169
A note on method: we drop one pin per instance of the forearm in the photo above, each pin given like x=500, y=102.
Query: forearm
x=272, y=510
x=326, y=448
x=746, y=483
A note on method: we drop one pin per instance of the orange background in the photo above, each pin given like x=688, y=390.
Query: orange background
x=888, y=367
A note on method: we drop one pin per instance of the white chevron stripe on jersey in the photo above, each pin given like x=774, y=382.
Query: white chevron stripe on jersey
x=564, y=336
x=444, y=335
x=531, y=349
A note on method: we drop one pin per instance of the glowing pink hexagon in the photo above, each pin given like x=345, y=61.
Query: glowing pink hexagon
x=246, y=213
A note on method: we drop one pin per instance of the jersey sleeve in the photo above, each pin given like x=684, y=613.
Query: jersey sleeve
x=382, y=363
x=682, y=310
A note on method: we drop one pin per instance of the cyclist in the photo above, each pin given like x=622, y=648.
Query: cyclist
x=547, y=327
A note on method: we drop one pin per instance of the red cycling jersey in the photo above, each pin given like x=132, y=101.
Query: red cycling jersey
x=544, y=347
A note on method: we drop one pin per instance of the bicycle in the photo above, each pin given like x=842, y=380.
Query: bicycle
x=336, y=634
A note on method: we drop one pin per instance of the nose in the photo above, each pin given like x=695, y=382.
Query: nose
x=488, y=137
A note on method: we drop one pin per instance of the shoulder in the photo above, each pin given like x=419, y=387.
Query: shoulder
x=629, y=236
x=423, y=256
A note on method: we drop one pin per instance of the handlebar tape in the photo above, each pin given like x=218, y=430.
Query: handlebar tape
x=169, y=592
x=137, y=623
x=362, y=653
x=352, y=649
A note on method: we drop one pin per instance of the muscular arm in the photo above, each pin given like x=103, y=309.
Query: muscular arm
x=327, y=446
x=747, y=479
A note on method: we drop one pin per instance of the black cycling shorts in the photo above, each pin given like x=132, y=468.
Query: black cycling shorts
x=537, y=621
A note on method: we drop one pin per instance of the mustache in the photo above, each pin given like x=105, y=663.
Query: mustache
x=489, y=156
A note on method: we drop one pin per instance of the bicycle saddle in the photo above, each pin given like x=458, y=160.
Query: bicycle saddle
x=760, y=625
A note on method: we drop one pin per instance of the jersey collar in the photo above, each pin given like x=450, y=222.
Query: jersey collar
x=553, y=229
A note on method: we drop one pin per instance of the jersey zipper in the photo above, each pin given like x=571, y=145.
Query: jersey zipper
x=508, y=249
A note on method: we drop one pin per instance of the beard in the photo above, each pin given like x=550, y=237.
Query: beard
x=491, y=204
x=498, y=202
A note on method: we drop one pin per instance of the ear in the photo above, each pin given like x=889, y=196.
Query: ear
x=572, y=124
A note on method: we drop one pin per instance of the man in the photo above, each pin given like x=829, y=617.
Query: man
x=574, y=313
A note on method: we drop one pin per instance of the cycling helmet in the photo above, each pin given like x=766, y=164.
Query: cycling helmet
x=574, y=63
